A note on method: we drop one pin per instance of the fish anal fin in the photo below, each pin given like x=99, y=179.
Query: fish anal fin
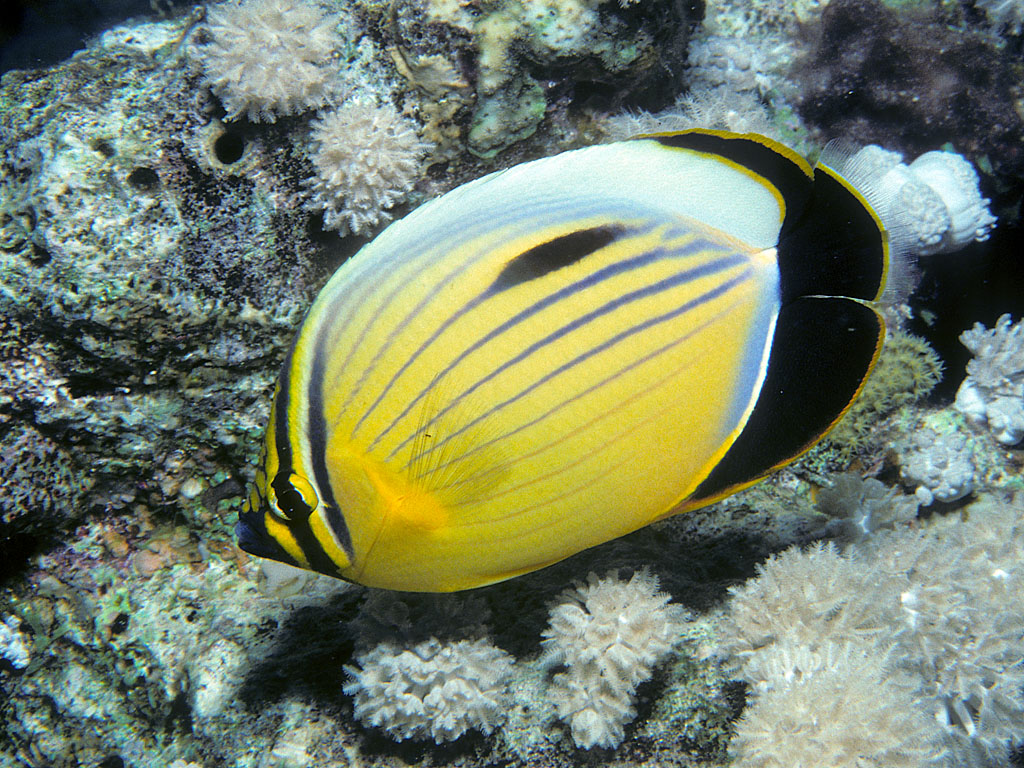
x=822, y=353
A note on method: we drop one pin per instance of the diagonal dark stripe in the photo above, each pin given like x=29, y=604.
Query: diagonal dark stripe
x=589, y=281
x=662, y=285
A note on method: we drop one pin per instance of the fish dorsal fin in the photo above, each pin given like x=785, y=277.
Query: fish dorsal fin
x=754, y=155
x=839, y=248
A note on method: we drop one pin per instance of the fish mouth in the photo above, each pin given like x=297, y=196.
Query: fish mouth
x=253, y=537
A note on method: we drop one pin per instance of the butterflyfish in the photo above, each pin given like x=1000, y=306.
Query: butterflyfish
x=556, y=354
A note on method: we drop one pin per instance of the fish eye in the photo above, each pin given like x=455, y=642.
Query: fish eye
x=292, y=497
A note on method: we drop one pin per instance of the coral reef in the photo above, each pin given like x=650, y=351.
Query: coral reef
x=992, y=395
x=12, y=643
x=907, y=370
x=433, y=690
x=41, y=488
x=148, y=289
x=697, y=707
x=805, y=596
x=838, y=705
x=609, y=634
x=763, y=19
x=911, y=82
x=716, y=61
x=114, y=652
x=157, y=251
x=733, y=84
x=522, y=52
x=154, y=262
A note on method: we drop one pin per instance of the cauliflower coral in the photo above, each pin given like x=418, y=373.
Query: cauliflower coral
x=367, y=158
x=269, y=58
x=940, y=465
x=433, y=690
x=993, y=392
x=609, y=634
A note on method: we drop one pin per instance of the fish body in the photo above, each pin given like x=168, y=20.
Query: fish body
x=557, y=354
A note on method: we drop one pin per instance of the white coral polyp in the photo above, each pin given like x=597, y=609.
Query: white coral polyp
x=838, y=707
x=955, y=181
x=271, y=57
x=597, y=715
x=367, y=158
x=609, y=634
x=624, y=627
x=433, y=690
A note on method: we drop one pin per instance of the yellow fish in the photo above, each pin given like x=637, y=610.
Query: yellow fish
x=557, y=354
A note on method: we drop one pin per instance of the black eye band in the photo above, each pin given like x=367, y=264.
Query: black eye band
x=289, y=500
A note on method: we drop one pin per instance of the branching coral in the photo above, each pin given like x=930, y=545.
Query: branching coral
x=270, y=57
x=609, y=634
x=993, y=392
x=367, y=158
x=433, y=690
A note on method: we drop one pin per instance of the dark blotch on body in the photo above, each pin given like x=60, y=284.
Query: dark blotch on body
x=554, y=255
